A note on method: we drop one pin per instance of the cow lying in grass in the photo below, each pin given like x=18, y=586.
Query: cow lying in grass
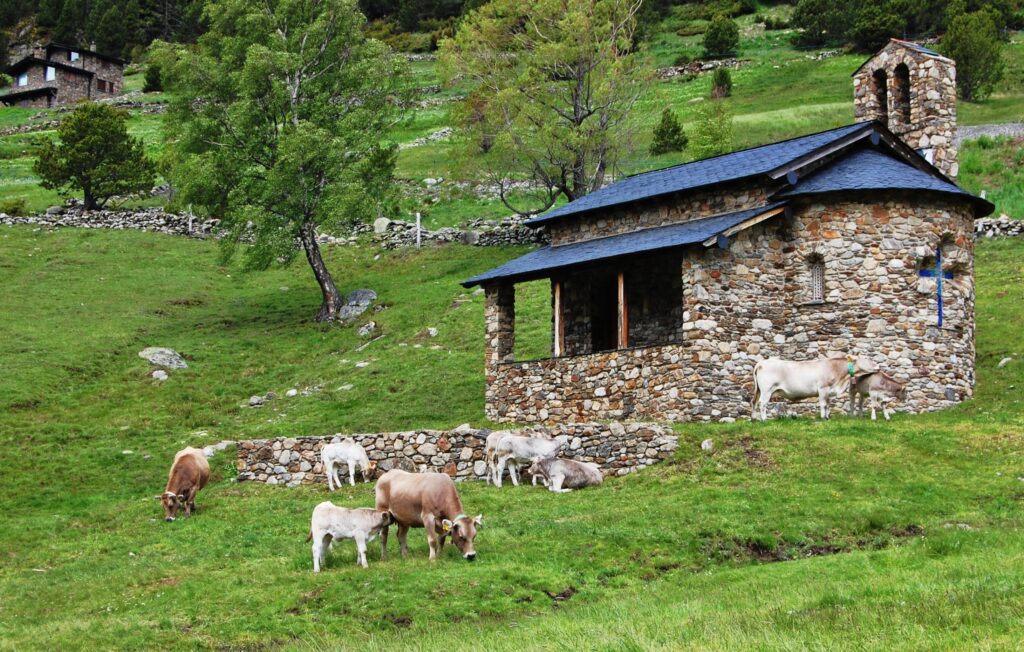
x=880, y=388
x=429, y=501
x=562, y=475
x=797, y=381
x=330, y=523
x=189, y=473
x=350, y=453
x=518, y=449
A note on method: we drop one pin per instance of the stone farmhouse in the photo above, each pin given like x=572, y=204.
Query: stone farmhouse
x=667, y=287
x=58, y=74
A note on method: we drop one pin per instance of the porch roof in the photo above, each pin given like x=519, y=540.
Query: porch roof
x=543, y=261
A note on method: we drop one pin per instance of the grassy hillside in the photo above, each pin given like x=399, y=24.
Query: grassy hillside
x=778, y=93
x=793, y=534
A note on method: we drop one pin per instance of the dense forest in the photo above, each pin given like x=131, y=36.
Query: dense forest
x=126, y=27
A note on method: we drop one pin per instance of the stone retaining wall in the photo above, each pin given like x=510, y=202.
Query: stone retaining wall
x=618, y=448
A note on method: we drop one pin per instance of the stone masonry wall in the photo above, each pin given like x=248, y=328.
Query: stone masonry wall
x=751, y=301
x=932, y=101
x=618, y=448
x=629, y=219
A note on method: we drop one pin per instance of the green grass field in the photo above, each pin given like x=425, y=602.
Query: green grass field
x=794, y=534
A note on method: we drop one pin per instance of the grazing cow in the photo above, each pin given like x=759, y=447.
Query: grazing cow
x=799, y=380
x=517, y=449
x=189, y=473
x=429, y=501
x=491, y=446
x=880, y=388
x=351, y=453
x=330, y=523
x=564, y=475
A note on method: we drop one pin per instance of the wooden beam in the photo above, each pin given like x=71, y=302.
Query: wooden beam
x=745, y=224
x=623, y=330
x=559, y=323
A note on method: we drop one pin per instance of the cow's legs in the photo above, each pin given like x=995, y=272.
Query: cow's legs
x=361, y=549
x=329, y=470
x=556, y=484
x=513, y=472
x=320, y=539
x=874, y=406
x=430, y=526
x=351, y=473
x=403, y=533
x=766, y=397
x=499, y=472
x=823, y=402
x=384, y=542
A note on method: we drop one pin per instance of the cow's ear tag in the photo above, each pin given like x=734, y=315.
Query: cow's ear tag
x=446, y=525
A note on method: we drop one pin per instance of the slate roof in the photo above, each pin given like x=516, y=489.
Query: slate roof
x=910, y=45
x=719, y=169
x=869, y=169
x=15, y=96
x=73, y=48
x=29, y=61
x=539, y=263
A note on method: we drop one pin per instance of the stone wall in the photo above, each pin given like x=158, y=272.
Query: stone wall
x=618, y=448
x=924, y=115
x=751, y=301
x=721, y=199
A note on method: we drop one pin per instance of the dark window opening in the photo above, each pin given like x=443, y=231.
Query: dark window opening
x=901, y=98
x=879, y=86
x=604, y=312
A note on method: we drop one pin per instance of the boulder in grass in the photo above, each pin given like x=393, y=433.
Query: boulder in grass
x=162, y=357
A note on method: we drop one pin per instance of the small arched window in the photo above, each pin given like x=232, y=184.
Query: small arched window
x=879, y=86
x=901, y=88
x=816, y=289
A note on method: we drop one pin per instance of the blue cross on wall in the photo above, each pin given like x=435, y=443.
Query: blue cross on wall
x=939, y=274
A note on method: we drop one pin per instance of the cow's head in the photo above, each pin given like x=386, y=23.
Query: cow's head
x=861, y=366
x=535, y=467
x=171, y=504
x=370, y=471
x=463, y=531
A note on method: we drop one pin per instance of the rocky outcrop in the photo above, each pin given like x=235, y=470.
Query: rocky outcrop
x=697, y=67
x=393, y=234
x=618, y=448
x=998, y=227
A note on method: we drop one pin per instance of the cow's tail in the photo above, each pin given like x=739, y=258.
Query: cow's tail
x=309, y=537
x=755, y=395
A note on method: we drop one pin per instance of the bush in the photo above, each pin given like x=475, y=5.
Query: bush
x=683, y=59
x=973, y=42
x=771, y=24
x=713, y=133
x=873, y=26
x=721, y=38
x=153, y=82
x=721, y=83
x=14, y=206
x=668, y=135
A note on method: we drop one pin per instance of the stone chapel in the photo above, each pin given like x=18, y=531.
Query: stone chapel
x=667, y=287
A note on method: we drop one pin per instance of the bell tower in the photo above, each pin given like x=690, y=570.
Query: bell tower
x=912, y=90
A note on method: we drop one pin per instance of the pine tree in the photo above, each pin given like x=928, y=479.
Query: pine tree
x=668, y=135
x=973, y=42
x=721, y=83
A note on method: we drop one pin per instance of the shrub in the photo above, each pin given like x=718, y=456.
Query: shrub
x=153, y=82
x=721, y=83
x=14, y=206
x=668, y=135
x=721, y=38
x=771, y=24
x=713, y=132
x=683, y=59
x=973, y=42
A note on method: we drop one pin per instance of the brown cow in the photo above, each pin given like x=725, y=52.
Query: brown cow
x=189, y=473
x=880, y=388
x=429, y=501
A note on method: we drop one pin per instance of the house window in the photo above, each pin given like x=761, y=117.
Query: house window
x=51, y=73
x=901, y=87
x=101, y=85
x=23, y=79
x=817, y=280
x=72, y=56
x=879, y=85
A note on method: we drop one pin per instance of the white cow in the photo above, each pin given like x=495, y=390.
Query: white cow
x=490, y=446
x=518, y=449
x=880, y=388
x=801, y=380
x=564, y=475
x=351, y=453
x=331, y=522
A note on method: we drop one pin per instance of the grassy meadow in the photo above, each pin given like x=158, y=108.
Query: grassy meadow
x=794, y=534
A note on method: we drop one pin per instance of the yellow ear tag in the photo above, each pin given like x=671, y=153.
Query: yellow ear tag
x=446, y=527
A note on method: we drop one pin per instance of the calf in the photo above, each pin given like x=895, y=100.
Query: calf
x=429, y=501
x=800, y=380
x=189, y=473
x=564, y=475
x=517, y=449
x=330, y=523
x=880, y=388
x=351, y=453
x=490, y=447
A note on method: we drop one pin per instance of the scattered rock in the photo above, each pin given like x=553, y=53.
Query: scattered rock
x=255, y=401
x=367, y=328
x=362, y=363
x=160, y=374
x=163, y=357
x=707, y=445
x=1004, y=362
x=345, y=388
x=291, y=392
x=432, y=332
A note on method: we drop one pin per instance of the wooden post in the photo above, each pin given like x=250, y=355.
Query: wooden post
x=623, y=314
x=559, y=324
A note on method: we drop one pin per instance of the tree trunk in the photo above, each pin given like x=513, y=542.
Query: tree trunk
x=332, y=298
x=89, y=200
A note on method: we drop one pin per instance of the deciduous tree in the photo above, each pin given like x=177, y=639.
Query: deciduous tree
x=95, y=154
x=554, y=84
x=278, y=125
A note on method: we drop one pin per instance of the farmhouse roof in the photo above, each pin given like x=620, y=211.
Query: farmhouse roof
x=910, y=45
x=539, y=263
x=74, y=48
x=26, y=94
x=742, y=164
x=869, y=169
x=28, y=62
